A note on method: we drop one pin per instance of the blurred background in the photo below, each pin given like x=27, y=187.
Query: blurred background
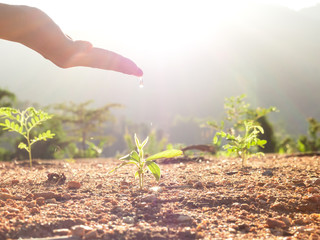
x=194, y=54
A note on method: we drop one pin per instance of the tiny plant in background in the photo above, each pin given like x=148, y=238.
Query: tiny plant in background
x=23, y=122
x=138, y=158
x=241, y=144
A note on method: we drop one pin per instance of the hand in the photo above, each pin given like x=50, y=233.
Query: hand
x=36, y=30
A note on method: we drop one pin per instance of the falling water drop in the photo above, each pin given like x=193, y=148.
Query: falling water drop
x=141, y=82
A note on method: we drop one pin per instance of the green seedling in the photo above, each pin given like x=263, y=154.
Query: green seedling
x=23, y=122
x=138, y=158
x=241, y=144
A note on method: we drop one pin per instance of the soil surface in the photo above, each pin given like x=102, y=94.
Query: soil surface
x=277, y=197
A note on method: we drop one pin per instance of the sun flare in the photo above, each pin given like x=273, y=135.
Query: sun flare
x=151, y=26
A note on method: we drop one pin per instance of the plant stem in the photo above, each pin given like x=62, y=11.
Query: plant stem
x=140, y=180
x=29, y=151
x=29, y=147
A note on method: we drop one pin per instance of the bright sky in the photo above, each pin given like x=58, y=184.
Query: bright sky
x=149, y=26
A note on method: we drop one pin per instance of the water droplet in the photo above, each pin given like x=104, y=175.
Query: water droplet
x=141, y=82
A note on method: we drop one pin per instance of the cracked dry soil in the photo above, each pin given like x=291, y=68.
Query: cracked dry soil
x=277, y=197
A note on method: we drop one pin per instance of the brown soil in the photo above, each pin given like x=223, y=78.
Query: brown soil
x=278, y=197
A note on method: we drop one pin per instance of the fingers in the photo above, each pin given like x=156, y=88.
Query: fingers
x=103, y=59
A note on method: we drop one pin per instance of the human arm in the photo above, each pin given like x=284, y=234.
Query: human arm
x=36, y=30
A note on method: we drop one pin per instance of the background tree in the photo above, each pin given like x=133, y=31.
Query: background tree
x=7, y=99
x=85, y=125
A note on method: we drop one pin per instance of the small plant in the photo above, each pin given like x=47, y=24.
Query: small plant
x=137, y=158
x=23, y=122
x=310, y=143
x=237, y=112
x=241, y=144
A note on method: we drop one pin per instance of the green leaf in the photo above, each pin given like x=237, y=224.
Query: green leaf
x=154, y=169
x=215, y=139
x=144, y=142
x=134, y=156
x=136, y=175
x=126, y=157
x=261, y=143
x=121, y=165
x=22, y=146
x=165, y=154
x=137, y=141
x=7, y=122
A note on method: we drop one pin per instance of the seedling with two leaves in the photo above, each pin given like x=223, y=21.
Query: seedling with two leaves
x=143, y=164
x=23, y=122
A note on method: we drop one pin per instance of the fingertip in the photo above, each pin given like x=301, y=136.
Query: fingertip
x=139, y=72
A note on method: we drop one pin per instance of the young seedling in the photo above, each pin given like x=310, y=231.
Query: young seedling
x=241, y=144
x=23, y=122
x=137, y=158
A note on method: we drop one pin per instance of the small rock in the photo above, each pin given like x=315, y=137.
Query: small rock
x=5, y=196
x=73, y=185
x=14, y=181
x=31, y=204
x=52, y=205
x=279, y=206
x=268, y=173
x=34, y=210
x=274, y=223
x=245, y=206
x=4, y=190
x=315, y=198
x=45, y=195
x=13, y=210
x=149, y=198
x=232, y=173
x=40, y=201
x=313, y=190
x=184, y=218
x=236, y=205
x=156, y=189
x=128, y=220
x=66, y=196
x=316, y=181
x=198, y=185
x=299, y=182
x=51, y=200
x=286, y=220
x=61, y=232
x=80, y=230
x=91, y=235
x=301, y=222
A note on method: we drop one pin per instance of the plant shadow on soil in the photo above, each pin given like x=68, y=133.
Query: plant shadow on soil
x=196, y=198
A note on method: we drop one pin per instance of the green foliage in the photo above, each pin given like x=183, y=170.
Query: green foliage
x=83, y=124
x=7, y=98
x=241, y=144
x=238, y=112
x=23, y=122
x=138, y=159
x=310, y=143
